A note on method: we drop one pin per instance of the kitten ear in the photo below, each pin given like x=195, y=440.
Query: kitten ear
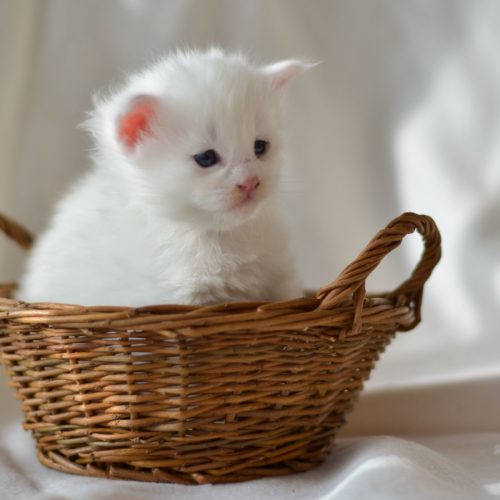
x=134, y=125
x=280, y=73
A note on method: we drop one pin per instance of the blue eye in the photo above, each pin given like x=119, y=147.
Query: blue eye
x=207, y=159
x=260, y=147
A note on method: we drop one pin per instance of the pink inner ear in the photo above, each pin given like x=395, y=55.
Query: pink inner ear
x=279, y=83
x=282, y=72
x=136, y=123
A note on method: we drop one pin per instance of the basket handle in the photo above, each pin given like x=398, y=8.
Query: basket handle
x=351, y=281
x=16, y=232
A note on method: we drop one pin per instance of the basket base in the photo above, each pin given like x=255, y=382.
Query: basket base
x=56, y=461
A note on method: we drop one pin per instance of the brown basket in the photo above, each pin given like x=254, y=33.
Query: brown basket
x=214, y=394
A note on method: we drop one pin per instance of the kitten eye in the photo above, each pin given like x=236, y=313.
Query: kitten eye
x=260, y=147
x=207, y=159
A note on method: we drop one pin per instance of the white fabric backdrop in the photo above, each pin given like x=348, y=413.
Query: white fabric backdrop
x=403, y=114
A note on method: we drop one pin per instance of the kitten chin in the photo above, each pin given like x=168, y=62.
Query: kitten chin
x=180, y=206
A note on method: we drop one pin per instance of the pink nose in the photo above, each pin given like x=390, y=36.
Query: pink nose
x=249, y=185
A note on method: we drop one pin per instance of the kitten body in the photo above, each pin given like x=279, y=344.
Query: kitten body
x=148, y=224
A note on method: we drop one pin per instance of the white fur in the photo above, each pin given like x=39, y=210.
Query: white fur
x=148, y=225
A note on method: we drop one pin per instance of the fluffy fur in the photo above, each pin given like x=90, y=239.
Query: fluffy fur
x=146, y=224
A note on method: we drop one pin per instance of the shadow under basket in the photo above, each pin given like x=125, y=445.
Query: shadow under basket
x=212, y=394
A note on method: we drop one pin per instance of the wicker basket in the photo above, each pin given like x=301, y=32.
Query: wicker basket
x=214, y=394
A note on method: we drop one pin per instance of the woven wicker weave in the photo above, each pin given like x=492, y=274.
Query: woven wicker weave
x=213, y=394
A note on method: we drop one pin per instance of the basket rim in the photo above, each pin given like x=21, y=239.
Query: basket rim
x=346, y=291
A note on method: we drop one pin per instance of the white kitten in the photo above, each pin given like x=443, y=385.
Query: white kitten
x=181, y=205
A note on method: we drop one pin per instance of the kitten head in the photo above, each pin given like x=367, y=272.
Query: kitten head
x=198, y=135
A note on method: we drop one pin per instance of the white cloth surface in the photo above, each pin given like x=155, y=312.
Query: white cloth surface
x=445, y=467
x=402, y=114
